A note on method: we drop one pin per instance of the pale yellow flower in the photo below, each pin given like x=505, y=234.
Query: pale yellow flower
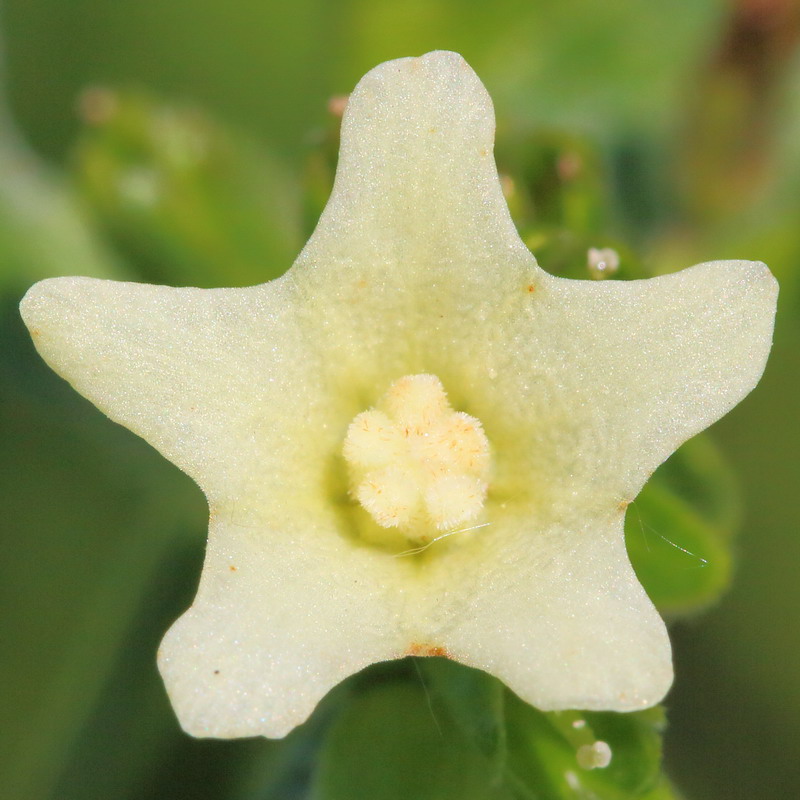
x=416, y=441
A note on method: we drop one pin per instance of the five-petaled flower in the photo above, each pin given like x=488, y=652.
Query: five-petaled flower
x=416, y=441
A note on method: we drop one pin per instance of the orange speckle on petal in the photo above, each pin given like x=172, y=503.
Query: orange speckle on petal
x=416, y=649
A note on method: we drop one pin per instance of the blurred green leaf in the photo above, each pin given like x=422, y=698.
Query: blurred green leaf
x=557, y=188
x=635, y=742
x=43, y=232
x=422, y=733
x=474, y=700
x=188, y=201
x=541, y=763
x=678, y=530
x=700, y=475
x=544, y=748
x=391, y=742
x=683, y=562
x=553, y=179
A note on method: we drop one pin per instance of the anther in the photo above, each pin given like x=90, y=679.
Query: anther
x=416, y=464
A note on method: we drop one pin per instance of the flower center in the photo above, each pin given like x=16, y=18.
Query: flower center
x=414, y=462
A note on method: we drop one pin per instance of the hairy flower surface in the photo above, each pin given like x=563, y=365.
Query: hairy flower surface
x=416, y=441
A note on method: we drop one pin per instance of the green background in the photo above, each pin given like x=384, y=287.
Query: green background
x=693, y=110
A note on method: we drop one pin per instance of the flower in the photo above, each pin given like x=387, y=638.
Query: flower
x=416, y=441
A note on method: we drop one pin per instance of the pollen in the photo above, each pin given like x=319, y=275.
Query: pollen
x=416, y=464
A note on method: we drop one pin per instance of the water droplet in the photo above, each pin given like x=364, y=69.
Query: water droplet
x=594, y=756
x=602, y=263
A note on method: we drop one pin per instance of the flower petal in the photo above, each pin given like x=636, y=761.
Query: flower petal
x=220, y=381
x=556, y=612
x=584, y=388
x=416, y=190
x=281, y=616
x=416, y=250
x=659, y=360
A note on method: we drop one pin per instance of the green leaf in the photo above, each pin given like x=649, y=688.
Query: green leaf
x=400, y=737
x=683, y=562
x=699, y=473
x=678, y=530
x=541, y=762
x=188, y=201
x=391, y=743
x=473, y=699
x=635, y=742
x=544, y=761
